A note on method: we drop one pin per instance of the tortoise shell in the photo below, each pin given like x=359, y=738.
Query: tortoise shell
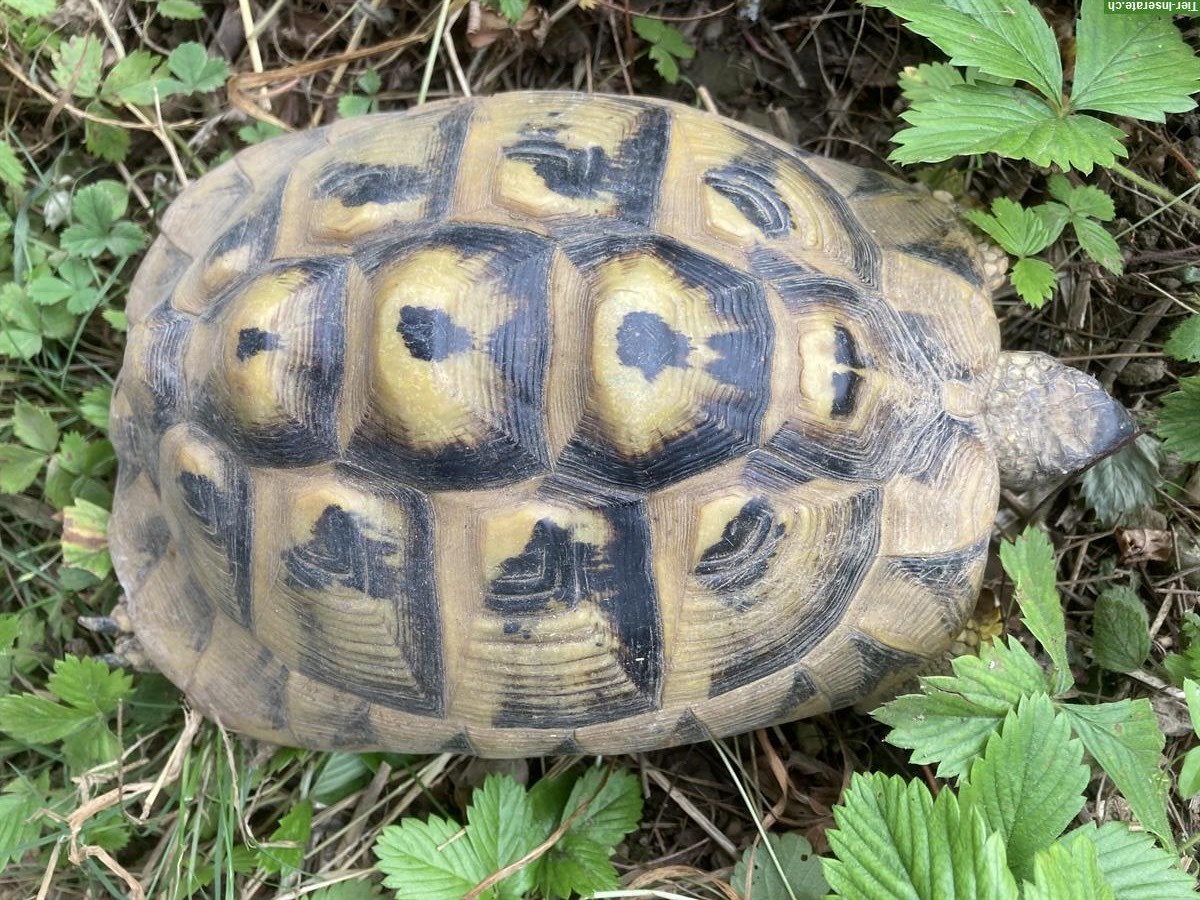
x=549, y=423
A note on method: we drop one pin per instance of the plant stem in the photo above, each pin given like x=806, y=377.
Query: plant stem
x=434, y=44
x=1159, y=191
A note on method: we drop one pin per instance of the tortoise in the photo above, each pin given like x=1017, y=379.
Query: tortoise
x=548, y=422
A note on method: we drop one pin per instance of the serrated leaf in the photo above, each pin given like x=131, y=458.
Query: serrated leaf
x=350, y=105
x=89, y=685
x=950, y=723
x=574, y=866
x=18, y=828
x=1124, y=482
x=1184, y=342
x=430, y=860
x=117, y=319
x=109, y=142
x=648, y=29
x=1068, y=873
x=77, y=65
x=1185, y=665
x=294, y=828
x=1082, y=200
x=19, y=467
x=1033, y=280
x=1005, y=39
x=1121, y=639
x=1008, y=121
x=93, y=406
x=797, y=877
x=1133, y=865
x=369, y=81
x=1017, y=229
x=184, y=10
x=92, y=744
x=512, y=9
x=500, y=827
x=1029, y=562
x=46, y=290
x=1191, y=692
x=1136, y=66
x=342, y=775
x=133, y=79
x=19, y=343
x=664, y=64
x=1100, y=246
x=1179, y=420
x=194, y=70
x=126, y=239
x=12, y=171
x=924, y=81
x=1125, y=740
x=347, y=890
x=34, y=427
x=36, y=720
x=85, y=538
x=1028, y=785
x=672, y=41
x=32, y=9
x=894, y=840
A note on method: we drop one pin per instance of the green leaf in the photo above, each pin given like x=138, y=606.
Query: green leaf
x=1179, y=420
x=500, y=826
x=90, y=745
x=369, y=81
x=18, y=828
x=1189, y=774
x=36, y=720
x=85, y=538
x=34, y=427
x=257, y=132
x=133, y=79
x=1124, y=482
x=12, y=172
x=184, y=10
x=672, y=41
x=1082, y=200
x=194, y=70
x=1121, y=639
x=1184, y=342
x=109, y=142
x=664, y=64
x=1008, y=121
x=19, y=343
x=1100, y=246
x=117, y=319
x=649, y=29
x=797, y=877
x=342, y=775
x=1029, y=783
x=77, y=65
x=19, y=467
x=294, y=828
x=1186, y=664
x=431, y=860
x=1017, y=229
x=512, y=9
x=1004, y=39
x=350, y=105
x=894, y=840
x=93, y=406
x=89, y=685
x=94, y=216
x=1029, y=562
x=1133, y=866
x=1136, y=66
x=31, y=9
x=46, y=290
x=1033, y=280
x=950, y=723
x=1068, y=873
x=1124, y=738
x=347, y=890
x=923, y=82
x=1191, y=691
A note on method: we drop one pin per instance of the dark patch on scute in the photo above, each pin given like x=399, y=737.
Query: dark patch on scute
x=833, y=590
x=649, y=344
x=459, y=743
x=568, y=746
x=354, y=729
x=845, y=393
x=926, y=336
x=163, y=365
x=874, y=184
x=340, y=552
x=155, y=535
x=631, y=175
x=949, y=255
x=252, y=341
x=745, y=550
x=223, y=510
x=255, y=233
x=932, y=449
x=430, y=334
x=549, y=572
x=690, y=730
x=803, y=689
x=945, y=575
x=194, y=615
x=357, y=184
x=845, y=351
x=751, y=189
x=876, y=661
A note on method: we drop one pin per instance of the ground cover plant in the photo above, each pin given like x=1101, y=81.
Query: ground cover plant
x=1059, y=758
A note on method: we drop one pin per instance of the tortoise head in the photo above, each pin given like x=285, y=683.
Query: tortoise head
x=1046, y=420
